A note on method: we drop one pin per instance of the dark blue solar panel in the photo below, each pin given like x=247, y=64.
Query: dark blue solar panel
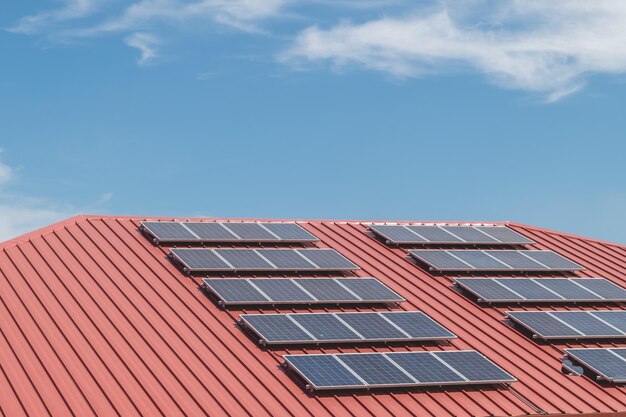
x=474, y=366
x=567, y=289
x=276, y=327
x=326, y=289
x=586, y=323
x=325, y=326
x=615, y=318
x=369, y=289
x=435, y=234
x=200, y=259
x=290, y=231
x=327, y=259
x=244, y=259
x=552, y=260
x=528, y=289
x=603, y=287
x=425, y=368
x=469, y=234
x=487, y=289
x=234, y=290
x=440, y=259
x=323, y=371
x=478, y=259
x=372, y=326
x=375, y=369
x=396, y=234
x=516, y=260
x=211, y=231
x=543, y=324
x=168, y=231
x=250, y=231
x=602, y=361
x=418, y=325
x=286, y=259
x=281, y=289
x=504, y=234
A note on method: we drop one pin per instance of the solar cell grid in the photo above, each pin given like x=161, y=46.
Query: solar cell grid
x=375, y=369
x=487, y=289
x=290, y=231
x=604, y=288
x=516, y=260
x=244, y=259
x=211, y=231
x=469, y=234
x=369, y=289
x=281, y=289
x=615, y=318
x=586, y=323
x=435, y=234
x=286, y=259
x=504, y=234
x=326, y=289
x=276, y=328
x=418, y=325
x=327, y=259
x=528, y=289
x=608, y=365
x=199, y=259
x=168, y=230
x=440, y=259
x=473, y=366
x=478, y=259
x=567, y=289
x=396, y=234
x=231, y=290
x=250, y=231
x=323, y=371
x=372, y=326
x=325, y=326
x=543, y=325
x=425, y=367
x=551, y=259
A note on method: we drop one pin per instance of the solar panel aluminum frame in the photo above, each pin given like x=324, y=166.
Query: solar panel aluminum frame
x=461, y=242
x=570, y=353
x=265, y=342
x=538, y=335
x=315, y=301
x=313, y=268
x=469, y=268
x=532, y=300
x=311, y=386
x=235, y=239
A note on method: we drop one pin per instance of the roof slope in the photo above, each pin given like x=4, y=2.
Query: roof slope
x=95, y=321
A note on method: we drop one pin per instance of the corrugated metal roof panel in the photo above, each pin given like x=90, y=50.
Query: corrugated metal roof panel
x=95, y=321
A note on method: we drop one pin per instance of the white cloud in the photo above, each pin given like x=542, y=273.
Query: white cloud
x=146, y=44
x=72, y=9
x=20, y=214
x=543, y=46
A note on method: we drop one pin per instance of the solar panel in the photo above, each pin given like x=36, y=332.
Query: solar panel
x=551, y=259
x=470, y=234
x=211, y=231
x=346, y=327
x=505, y=260
x=204, y=259
x=572, y=324
x=290, y=231
x=608, y=363
x=397, y=369
x=542, y=289
x=167, y=231
x=459, y=235
x=253, y=291
x=369, y=289
x=327, y=259
x=226, y=232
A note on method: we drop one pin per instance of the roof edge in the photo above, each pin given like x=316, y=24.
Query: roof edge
x=42, y=230
x=566, y=234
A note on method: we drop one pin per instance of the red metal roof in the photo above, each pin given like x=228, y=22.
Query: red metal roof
x=95, y=321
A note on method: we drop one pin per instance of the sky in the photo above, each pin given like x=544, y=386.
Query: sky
x=480, y=110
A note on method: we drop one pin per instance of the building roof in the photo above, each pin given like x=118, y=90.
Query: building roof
x=95, y=321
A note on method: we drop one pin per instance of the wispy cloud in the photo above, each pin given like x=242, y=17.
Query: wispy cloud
x=71, y=10
x=146, y=43
x=543, y=46
x=21, y=213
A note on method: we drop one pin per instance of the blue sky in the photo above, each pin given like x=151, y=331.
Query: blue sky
x=489, y=110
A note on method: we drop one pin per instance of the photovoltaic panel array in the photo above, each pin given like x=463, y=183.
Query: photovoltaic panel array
x=449, y=235
x=552, y=290
x=258, y=291
x=226, y=232
x=572, y=324
x=607, y=363
x=314, y=328
x=494, y=260
x=204, y=259
x=397, y=369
